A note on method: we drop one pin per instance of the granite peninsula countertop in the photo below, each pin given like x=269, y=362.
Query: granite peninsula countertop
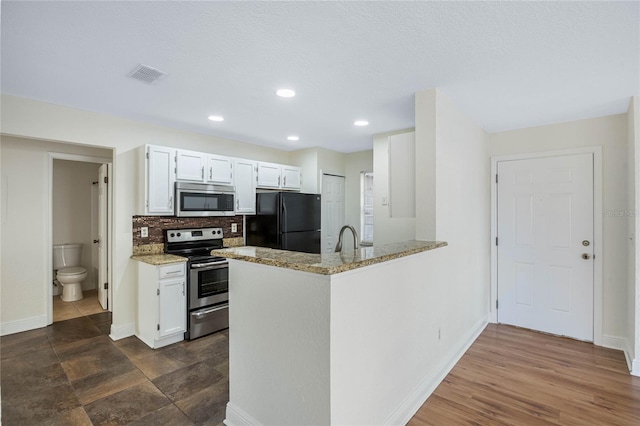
x=159, y=258
x=328, y=263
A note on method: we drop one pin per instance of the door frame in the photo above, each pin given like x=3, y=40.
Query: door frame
x=597, y=229
x=49, y=231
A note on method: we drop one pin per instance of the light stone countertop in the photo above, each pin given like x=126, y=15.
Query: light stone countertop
x=159, y=259
x=328, y=263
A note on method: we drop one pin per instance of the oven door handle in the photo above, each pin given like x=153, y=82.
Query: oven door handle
x=213, y=265
x=210, y=311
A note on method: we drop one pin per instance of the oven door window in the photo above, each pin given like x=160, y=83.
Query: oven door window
x=212, y=282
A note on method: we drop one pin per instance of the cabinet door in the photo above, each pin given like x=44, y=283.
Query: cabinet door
x=290, y=177
x=220, y=169
x=160, y=180
x=245, y=179
x=269, y=175
x=191, y=166
x=173, y=306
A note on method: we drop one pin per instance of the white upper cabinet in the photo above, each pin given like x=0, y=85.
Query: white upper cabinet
x=290, y=177
x=219, y=169
x=245, y=180
x=269, y=175
x=278, y=176
x=159, y=180
x=191, y=166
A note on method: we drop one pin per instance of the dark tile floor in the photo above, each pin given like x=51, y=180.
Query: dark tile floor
x=72, y=373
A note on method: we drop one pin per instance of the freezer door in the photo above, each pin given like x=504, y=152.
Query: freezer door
x=299, y=212
x=306, y=241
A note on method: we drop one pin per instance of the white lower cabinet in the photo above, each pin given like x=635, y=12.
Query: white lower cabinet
x=162, y=303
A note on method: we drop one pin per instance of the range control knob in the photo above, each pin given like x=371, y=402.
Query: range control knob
x=172, y=234
x=179, y=234
x=219, y=231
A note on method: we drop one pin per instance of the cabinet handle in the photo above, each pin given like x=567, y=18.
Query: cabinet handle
x=237, y=204
x=278, y=180
x=210, y=173
x=173, y=272
x=284, y=181
x=202, y=172
x=183, y=288
x=171, y=202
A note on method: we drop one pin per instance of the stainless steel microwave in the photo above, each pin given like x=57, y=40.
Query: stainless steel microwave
x=199, y=199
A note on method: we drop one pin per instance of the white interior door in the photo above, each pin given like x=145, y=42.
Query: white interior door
x=102, y=236
x=332, y=211
x=545, y=244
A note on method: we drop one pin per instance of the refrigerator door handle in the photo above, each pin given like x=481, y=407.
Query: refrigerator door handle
x=284, y=215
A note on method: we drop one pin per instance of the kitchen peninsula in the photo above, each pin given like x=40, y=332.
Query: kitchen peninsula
x=337, y=338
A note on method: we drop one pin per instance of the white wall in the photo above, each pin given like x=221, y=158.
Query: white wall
x=72, y=215
x=457, y=196
x=355, y=163
x=307, y=159
x=40, y=120
x=25, y=277
x=610, y=133
x=387, y=229
x=633, y=188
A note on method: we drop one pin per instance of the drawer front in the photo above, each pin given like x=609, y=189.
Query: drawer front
x=171, y=271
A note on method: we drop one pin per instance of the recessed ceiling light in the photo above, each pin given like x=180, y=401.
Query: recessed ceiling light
x=361, y=123
x=286, y=93
x=293, y=138
x=216, y=118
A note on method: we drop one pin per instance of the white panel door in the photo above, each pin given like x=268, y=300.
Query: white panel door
x=160, y=180
x=245, y=179
x=545, y=244
x=332, y=212
x=102, y=235
x=220, y=169
x=269, y=175
x=191, y=166
x=291, y=177
x=173, y=306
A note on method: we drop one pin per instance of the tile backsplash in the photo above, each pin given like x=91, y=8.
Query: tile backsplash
x=157, y=225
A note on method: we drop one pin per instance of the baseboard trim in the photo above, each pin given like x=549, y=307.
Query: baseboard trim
x=635, y=368
x=414, y=401
x=621, y=344
x=122, y=331
x=237, y=417
x=26, y=324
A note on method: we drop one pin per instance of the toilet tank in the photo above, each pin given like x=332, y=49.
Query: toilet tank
x=66, y=255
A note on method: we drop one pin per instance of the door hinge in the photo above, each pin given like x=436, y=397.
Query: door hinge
x=496, y=240
x=496, y=178
x=496, y=303
x=106, y=179
x=158, y=327
x=158, y=292
x=147, y=203
x=106, y=286
x=147, y=155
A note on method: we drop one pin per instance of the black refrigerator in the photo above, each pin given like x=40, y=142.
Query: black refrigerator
x=286, y=221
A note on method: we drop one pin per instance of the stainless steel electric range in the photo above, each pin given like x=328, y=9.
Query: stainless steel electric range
x=207, y=279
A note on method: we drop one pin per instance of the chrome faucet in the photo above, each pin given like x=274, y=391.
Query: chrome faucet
x=355, y=238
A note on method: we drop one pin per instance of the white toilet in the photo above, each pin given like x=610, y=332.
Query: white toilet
x=69, y=273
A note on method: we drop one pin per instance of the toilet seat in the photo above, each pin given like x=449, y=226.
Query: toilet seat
x=75, y=270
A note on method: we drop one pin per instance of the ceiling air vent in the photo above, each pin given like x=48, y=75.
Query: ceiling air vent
x=147, y=74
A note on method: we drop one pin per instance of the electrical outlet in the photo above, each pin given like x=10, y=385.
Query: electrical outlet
x=144, y=232
x=234, y=227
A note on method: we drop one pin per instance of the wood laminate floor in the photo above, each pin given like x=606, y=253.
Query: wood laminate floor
x=512, y=376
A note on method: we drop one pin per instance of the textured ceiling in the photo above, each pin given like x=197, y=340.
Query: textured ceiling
x=506, y=64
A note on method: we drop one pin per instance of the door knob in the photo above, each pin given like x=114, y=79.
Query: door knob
x=586, y=256
x=96, y=241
